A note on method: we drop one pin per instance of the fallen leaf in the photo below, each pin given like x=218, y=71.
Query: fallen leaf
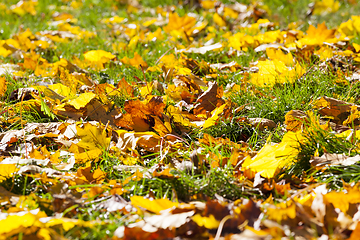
x=99, y=56
x=209, y=100
x=136, y=61
x=332, y=159
x=7, y=171
x=208, y=222
x=272, y=157
x=325, y=7
x=154, y=205
x=82, y=100
x=335, y=108
x=262, y=123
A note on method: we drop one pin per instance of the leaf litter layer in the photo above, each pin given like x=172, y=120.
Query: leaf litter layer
x=194, y=120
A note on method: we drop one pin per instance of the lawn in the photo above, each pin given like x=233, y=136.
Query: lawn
x=194, y=119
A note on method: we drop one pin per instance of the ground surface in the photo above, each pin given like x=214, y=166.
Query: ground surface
x=188, y=120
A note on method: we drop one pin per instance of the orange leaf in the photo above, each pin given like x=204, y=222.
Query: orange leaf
x=137, y=176
x=125, y=88
x=136, y=61
x=2, y=86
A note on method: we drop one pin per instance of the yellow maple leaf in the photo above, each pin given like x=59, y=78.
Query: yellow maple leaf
x=180, y=26
x=208, y=4
x=278, y=54
x=112, y=20
x=154, y=205
x=97, y=58
x=241, y=41
x=67, y=223
x=324, y=53
x=162, y=128
x=40, y=153
x=146, y=90
x=153, y=36
x=342, y=200
x=271, y=158
x=36, y=63
x=317, y=36
x=170, y=61
x=350, y=27
x=356, y=47
x=73, y=80
x=353, y=117
x=92, y=137
x=179, y=117
x=100, y=56
x=137, y=176
x=271, y=72
x=229, y=12
x=85, y=175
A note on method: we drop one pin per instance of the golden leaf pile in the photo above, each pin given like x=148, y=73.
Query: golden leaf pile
x=89, y=130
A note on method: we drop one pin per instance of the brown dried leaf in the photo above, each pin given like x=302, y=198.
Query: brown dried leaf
x=100, y=112
x=63, y=197
x=262, y=123
x=331, y=159
x=209, y=100
x=338, y=109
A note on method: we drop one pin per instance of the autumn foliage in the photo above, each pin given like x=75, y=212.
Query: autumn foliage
x=171, y=122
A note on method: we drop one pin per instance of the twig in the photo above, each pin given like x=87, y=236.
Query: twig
x=163, y=55
x=221, y=226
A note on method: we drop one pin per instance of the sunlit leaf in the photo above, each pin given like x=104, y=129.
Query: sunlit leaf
x=136, y=61
x=271, y=158
x=92, y=136
x=317, y=36
x=271, y=72
x=179, y=26
x=343, y=200
x=82, y=100
x=282, y=211
x=209, y=222
x=325, y=7
x=7, y=170
x=154, y=205
x=98, y=57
